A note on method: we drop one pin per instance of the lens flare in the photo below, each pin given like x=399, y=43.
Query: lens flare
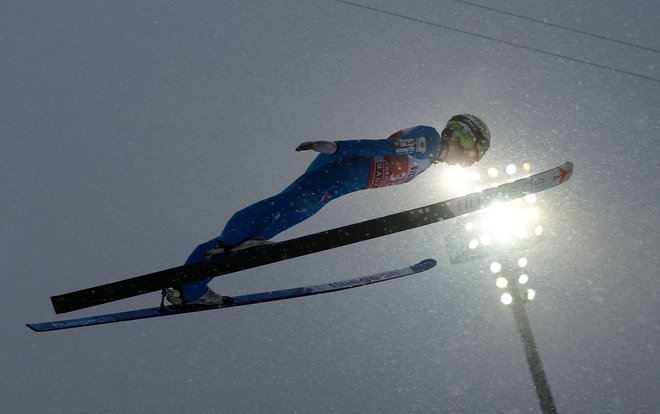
x=456, y=177
x=506, y=222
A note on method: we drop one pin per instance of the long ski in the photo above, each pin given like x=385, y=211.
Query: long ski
x=241, y=300
x=288, y=249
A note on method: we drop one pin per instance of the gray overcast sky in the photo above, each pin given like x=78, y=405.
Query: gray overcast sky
x=131, y=131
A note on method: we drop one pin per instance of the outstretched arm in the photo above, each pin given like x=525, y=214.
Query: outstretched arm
x=420, y=141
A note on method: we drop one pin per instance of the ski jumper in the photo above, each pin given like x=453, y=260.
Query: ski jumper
x=356, y=165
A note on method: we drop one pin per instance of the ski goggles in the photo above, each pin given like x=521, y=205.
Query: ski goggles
x=462, y=135
x=472, y=149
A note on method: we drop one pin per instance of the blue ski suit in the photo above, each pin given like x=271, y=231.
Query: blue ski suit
x=356, y=165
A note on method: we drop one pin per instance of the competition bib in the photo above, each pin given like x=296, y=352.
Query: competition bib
x=394, y=170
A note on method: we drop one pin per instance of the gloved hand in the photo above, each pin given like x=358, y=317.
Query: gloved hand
x=325, y=147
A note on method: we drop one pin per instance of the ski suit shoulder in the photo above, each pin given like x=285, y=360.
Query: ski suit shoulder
x=418, y=142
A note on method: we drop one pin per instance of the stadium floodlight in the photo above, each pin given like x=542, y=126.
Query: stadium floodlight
x=495, y=231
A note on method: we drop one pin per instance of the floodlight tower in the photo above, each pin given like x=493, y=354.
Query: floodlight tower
x=494, y=233
x=513, y=298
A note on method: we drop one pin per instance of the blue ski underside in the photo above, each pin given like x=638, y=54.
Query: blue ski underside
x=240, y=300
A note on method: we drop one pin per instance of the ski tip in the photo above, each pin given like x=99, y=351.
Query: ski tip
x=425, y=264
x=563, y=173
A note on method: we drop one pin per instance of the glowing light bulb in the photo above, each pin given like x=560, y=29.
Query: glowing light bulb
x=506, y=298
x=495, y=267
x=522, y=262
x=511, y=169
x=531, y=294
x=474, y=243
x=522, y=279
x=501, y=282
x=493, y=172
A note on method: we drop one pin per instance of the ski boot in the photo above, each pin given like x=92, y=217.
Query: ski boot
x=221, y=247
x=209, y=298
